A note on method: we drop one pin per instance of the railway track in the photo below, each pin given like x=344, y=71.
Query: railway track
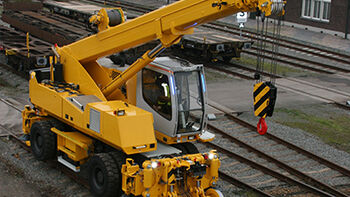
x=15, y=135
x=241, y=140
x=290, y=185
x=238, y=70
x=306, y=48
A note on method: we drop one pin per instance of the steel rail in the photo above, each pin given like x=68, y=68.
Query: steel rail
x=290, y=63
x=252, y=70
x=226, y=27
x=306, y=61
x=241, y=184
x=268, y=171
x=321, y=160
x=208, y=65
x=306, y=178
x=62, y=168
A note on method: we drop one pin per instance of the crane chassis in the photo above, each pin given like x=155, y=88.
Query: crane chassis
x=133, y=128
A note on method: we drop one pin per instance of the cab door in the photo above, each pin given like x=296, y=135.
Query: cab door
x=155, y=93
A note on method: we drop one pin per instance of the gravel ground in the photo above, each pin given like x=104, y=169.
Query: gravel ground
x=304, y=140
x=48, y=180
x=44, y=177
x=11, y=177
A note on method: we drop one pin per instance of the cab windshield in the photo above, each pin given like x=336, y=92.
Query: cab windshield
x=189, y=97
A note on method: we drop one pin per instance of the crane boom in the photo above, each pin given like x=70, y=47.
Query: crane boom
x=168, y=24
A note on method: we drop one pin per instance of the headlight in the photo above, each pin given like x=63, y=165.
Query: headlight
x=154, y=164
x=211, y=156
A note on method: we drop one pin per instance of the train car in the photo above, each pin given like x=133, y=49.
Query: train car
x=47, y=26
x=21, y=52
x=205, y=43
x=73, y=9
x=210, y=45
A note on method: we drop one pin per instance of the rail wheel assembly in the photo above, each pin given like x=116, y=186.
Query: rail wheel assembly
x=214, y=193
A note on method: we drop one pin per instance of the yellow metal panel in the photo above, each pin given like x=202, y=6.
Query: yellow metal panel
x=74, y=144
x=44, y=97
x=150, y=179
x=174, y=140
x=74, y=73
x=131, y=86
x=71, y=113
x=127, y=132
x=97, y=73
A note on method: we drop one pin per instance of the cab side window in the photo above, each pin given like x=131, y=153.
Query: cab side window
x=156, y=92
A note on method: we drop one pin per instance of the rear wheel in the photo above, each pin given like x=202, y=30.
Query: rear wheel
x=104, y=176
x=43, y=141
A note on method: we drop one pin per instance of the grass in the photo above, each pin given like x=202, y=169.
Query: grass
x=332, y=128
x=280, y=69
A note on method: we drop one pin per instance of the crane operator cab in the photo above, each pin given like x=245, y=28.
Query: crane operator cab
x=174, y=91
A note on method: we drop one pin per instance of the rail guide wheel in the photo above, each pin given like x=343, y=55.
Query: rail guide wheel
x=214, y=193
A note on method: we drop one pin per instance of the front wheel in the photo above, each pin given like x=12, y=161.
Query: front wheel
x=104, y=176
x=214, y=193
x=186, y=148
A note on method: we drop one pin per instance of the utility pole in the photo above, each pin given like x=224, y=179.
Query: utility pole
x=347, y=21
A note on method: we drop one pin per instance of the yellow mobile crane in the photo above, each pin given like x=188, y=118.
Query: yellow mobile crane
x=87, y=114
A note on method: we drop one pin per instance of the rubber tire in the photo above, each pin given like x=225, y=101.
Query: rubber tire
x=180, y=147
x=103, y=165
x=186, y=148
x=191, y=148
x=119, y=158
x=43, y=141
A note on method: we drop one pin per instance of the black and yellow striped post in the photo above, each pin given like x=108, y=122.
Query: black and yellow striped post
x=265, y=94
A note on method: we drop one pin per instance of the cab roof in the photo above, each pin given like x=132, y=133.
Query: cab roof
x=176, y=64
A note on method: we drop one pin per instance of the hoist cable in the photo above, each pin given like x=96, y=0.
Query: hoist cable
x=275, y=49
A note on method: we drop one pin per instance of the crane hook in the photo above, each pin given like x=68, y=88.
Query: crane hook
x=262, y=126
